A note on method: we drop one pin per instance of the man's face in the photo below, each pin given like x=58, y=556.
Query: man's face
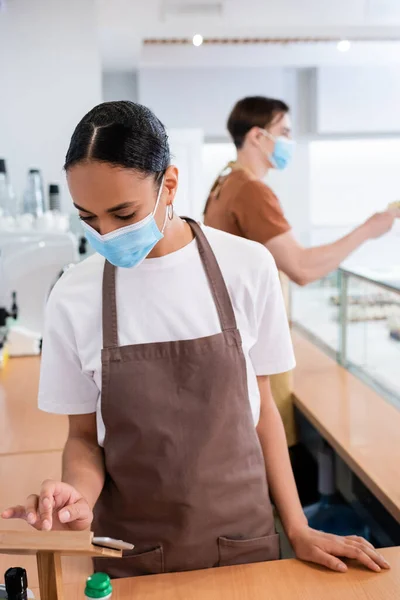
x=280, y=127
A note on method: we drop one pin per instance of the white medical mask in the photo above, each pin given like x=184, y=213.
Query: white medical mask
x=283, y=150
x=128, y=246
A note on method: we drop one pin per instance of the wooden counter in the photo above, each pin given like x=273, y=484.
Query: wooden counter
x=24, y=474
x=362, y=427
x=22, y=427
x=280, y=580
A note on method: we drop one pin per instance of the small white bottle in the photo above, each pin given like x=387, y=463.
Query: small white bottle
x=98, y=585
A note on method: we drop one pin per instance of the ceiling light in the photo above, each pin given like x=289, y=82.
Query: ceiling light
x=344, y=46
x=197, y=40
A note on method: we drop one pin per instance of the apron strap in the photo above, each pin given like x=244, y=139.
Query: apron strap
x=217, y=283
x=110, y=320
x=218, y=289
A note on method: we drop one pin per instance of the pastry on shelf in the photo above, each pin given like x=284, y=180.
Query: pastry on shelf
x=380, y=299
x=358, y=313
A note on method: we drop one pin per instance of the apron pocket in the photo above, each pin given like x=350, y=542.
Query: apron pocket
x=239, y=552
x=150, y=562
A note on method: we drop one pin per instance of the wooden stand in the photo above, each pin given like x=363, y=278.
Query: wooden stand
x=49, y=547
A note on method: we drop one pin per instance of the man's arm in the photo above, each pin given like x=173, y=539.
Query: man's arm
x=304, y=265
x=83, y=461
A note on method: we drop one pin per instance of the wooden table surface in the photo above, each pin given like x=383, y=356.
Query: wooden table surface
x=362, y=427
x=21, y=475
x=280, y=580
x=22, y=427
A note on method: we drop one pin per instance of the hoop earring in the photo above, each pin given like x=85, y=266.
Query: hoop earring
x=170, y=212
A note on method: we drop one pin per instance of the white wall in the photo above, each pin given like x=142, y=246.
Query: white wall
x=186, y=153
x=340, y=100
x=203, y=97
x=119, y=85
x=50, y=75
x=215, y=157
x=351, y=179
x=358, y=99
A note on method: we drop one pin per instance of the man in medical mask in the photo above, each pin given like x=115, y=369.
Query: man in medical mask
x=242, y=204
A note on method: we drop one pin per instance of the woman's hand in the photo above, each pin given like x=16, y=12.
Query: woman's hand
x=59, y=506
x=324, y=549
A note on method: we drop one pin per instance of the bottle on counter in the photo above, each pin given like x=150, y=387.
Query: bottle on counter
x=8, y=205
x=98, y=585
x=54, y=197
x=4, y=316
x=34, y=200
x=17, y=585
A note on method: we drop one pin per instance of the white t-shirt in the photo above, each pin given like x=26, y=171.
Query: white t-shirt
x=163, y=299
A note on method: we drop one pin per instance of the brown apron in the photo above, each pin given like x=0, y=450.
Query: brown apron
x=186, y=480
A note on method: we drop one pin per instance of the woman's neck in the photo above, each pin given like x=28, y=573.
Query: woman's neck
x=177, y=235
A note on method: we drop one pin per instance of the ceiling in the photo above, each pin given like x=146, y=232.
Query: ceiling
x=124, y=24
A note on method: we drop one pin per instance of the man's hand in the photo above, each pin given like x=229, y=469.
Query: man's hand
x=59, y=506
x=382, y=222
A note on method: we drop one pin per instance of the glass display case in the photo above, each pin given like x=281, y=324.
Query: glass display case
x=354, y=315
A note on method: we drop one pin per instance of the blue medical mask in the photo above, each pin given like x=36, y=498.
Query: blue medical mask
x=128, y=246
x=283, y=150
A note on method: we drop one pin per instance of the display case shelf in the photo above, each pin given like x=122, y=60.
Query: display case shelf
x=354, y=314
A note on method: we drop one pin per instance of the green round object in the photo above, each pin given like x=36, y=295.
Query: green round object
x=98, y=586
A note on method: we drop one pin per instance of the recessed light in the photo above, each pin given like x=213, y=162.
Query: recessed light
x=344, y=46
x=197, y=40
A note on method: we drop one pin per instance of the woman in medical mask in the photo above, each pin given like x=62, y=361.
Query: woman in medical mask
x=160, y=348
x=241, y=203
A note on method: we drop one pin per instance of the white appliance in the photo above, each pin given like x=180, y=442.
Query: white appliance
x=30, y=264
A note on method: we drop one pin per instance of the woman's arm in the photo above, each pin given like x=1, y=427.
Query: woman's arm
x=309, y=545
x=277, y=462
x=83, y=460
